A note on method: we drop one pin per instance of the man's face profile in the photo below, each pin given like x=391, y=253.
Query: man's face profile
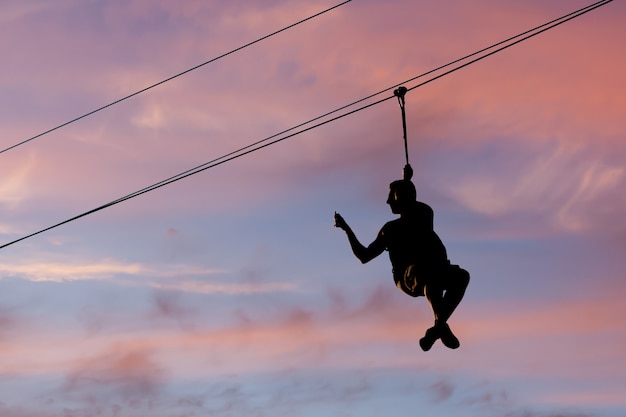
x=392, y=200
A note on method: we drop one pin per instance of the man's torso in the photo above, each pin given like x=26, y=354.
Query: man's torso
x=411, y=240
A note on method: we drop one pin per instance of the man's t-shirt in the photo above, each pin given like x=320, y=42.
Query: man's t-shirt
x=411, y=240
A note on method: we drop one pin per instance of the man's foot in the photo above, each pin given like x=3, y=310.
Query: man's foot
x=429, y=339
x=447, y=337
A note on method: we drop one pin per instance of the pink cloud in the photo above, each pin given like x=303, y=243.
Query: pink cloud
x=128, y=373
x=10, y=323
x=524, y=340
x=343, y=336
x=442, y=391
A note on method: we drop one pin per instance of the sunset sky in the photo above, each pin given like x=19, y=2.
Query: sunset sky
x=230, y=293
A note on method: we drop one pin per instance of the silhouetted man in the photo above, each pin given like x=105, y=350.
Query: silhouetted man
x=419, y=259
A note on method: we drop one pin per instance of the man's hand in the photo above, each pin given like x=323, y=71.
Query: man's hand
x=364, y=254
x=340, y=222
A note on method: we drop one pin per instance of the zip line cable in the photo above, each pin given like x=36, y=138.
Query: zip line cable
x=173, y=77
x=561, y=20
x=594, y=5
x=199, y=168
x=577, y=12
x=268, y=141
x=584, y=10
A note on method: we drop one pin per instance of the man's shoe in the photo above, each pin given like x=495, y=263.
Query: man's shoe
x=447, y=337
x=429, y=339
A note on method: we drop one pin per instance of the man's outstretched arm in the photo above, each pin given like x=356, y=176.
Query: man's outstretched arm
x=364, y=254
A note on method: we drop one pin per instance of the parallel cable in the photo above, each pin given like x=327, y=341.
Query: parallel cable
x=553, y=22
x=558, y=22
x=268, y=141
x=577, y=12
x=172, y=77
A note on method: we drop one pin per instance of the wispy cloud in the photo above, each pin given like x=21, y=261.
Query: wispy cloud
x=203, y=287
x=166, y=277
x=103, y=269
x=16, y=10
x=58, y=272
x=13, y=188
x=130, y=374
x=566, y=185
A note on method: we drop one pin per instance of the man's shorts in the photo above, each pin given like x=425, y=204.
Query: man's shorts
x=415, y=280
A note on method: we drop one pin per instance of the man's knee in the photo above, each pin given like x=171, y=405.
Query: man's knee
x=464, y=277
x=460, y=277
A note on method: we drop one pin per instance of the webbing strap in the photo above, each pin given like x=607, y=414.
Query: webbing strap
x=400, y=92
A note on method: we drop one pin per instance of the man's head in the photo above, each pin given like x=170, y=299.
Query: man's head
x=402, y=194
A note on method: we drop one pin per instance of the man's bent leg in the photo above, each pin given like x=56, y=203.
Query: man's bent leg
x=456, y=282
x=434, y=294
x=444, y=295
